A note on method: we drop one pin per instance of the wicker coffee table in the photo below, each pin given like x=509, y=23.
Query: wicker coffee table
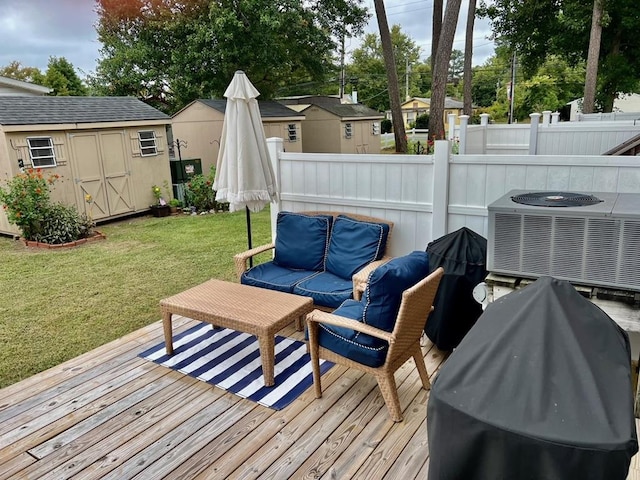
x=257, y=311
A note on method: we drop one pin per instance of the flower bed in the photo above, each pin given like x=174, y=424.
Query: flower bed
x=93, y=237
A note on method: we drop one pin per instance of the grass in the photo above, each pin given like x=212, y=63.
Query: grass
x=58, y=304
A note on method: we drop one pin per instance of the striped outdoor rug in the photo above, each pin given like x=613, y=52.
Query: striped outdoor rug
x=231, y=360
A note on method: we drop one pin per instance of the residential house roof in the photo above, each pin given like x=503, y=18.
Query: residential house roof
x=449, y=102
x=25, y=110
x=268, y=108
x=31, y=88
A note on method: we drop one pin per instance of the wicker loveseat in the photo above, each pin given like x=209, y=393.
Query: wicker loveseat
x=318, y=254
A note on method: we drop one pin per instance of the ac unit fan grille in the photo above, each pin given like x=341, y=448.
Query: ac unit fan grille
x=555, y=199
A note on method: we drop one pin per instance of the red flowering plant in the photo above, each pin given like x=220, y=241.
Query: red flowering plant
x=26, y=200
x=199, y=193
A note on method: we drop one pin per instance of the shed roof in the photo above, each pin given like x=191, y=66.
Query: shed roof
x=18, y=110
x=349, y=110
x=268, y=108
x=449, y=102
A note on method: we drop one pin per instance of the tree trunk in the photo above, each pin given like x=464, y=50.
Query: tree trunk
x=609, y=92
x=436, y=28
x=392, y=78
x=468, y=55
x=592, y=58
x=441, y=68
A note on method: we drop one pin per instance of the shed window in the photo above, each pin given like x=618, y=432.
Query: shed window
x=293, y=132
x=41, y=152
x=348, y=130
x=375, y=128
x=147, y=141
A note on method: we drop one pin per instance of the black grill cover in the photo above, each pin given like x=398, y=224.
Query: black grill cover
x=463, y=255
x=540, y=388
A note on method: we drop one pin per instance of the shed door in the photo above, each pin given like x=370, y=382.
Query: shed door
x=100, y=170
x=116, y=173
x=361, y=136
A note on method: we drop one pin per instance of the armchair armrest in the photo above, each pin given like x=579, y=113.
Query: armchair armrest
x=361, y=277
x=318, y=316
x=240, y=259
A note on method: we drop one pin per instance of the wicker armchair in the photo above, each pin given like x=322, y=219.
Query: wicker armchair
x=403, y=341
x=359, y=278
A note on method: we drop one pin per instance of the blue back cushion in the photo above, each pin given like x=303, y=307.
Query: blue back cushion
x=302, y=240
x=355, y=244
x=383, y=294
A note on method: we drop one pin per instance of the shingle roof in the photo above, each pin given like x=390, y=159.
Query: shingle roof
x=350, y=110
x=268, y=108
x=18, y=110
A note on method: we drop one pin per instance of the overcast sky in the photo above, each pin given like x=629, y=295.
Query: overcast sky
x=33, y=30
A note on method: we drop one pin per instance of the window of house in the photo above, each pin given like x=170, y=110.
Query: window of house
x=147, y=139
x=348, y=130
x=41, y=152
x=293, y=132
x=375, y=128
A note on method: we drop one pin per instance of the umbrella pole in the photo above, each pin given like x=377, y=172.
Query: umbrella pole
x=249, y=242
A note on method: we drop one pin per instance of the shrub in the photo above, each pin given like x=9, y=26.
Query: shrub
x=26, y=199
x=386, y=126
x=62, y=224
x=199, y=192
x=422, y=121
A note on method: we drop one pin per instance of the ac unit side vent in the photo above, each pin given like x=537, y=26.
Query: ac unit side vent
x=568, y=247
x=507, y=241
x=630, y=255
x=536, y=244
x=602, y=249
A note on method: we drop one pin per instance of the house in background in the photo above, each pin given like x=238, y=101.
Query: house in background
x=416, y=106
x=626, y=103
x=330, y=126
x=199, y=126
x=11, y=86
x=112, y=148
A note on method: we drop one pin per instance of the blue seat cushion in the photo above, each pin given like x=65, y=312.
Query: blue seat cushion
x=302, y=240
x=326, y=289
x=273, y=276
x=383, y=294
x=357, y=346
x=354, y=244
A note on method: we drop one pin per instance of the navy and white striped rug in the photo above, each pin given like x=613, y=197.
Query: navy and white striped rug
x=231, y=360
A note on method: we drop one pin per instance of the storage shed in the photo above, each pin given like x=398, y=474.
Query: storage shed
x=199, y=126
x=334, y=127
x=112, y=148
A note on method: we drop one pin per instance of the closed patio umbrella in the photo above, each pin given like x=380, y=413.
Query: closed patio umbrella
x=244, y=176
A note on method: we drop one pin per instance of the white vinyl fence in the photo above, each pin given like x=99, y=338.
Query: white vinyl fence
x=427, y=196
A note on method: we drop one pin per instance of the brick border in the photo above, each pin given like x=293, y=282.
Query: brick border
x=96, y=236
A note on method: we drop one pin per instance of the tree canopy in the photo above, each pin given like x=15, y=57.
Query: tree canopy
x=367, y=74
x=60, y=76
x=169, y=52
x=538, y=28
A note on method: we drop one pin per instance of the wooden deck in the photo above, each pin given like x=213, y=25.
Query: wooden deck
x=110, y=414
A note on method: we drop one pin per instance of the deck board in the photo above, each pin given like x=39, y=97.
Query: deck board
x=109, y=414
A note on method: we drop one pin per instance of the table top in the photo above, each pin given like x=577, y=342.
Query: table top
x=217, y=299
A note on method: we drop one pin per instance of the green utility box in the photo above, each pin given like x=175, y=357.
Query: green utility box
x=183, y=170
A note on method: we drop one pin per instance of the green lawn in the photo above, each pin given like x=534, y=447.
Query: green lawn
x=57, y=304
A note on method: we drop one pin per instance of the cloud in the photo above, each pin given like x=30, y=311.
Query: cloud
x=31, y=31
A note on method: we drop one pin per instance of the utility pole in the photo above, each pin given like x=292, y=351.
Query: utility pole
x=406, y=78
x=512, y=87
x=342, y=72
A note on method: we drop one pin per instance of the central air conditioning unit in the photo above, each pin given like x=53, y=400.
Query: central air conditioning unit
x=585, y=238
